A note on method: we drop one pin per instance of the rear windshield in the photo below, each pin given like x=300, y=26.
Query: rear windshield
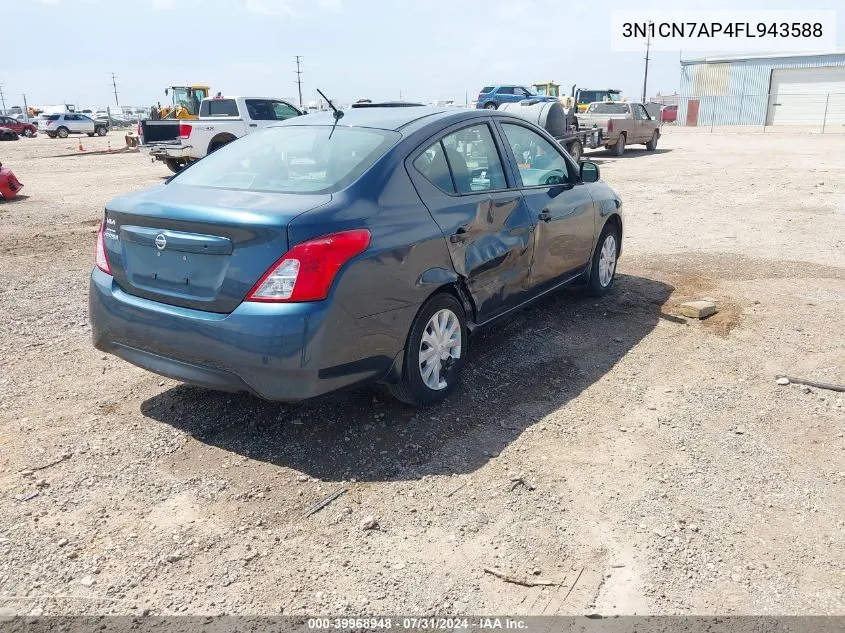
x=219, y=107
x=53, y=117
x=486, y=89
x=292, y=159
x=609, y=108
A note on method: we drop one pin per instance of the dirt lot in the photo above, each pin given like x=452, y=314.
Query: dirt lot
x=643, y=463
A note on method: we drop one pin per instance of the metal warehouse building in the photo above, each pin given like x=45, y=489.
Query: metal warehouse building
x=794, y=89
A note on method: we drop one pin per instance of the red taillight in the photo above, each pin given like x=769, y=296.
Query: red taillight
x=609, y=126
x=306, y=272
x=184, y=130
x=100, y=258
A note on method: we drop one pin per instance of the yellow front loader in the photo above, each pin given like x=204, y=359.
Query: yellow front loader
x=184, y=102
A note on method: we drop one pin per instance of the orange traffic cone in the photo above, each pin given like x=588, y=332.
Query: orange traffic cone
x=81, y=149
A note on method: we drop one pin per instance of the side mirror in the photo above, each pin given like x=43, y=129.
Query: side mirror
x=589, y=172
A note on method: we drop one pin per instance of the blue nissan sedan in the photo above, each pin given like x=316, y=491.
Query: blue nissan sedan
x=329, y=252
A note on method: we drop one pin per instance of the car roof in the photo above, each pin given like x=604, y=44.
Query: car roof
x=388, y=118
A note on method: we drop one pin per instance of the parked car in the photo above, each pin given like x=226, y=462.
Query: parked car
x=8, y=134
x=20, y=127
x=62, y=125
x=622, y=124
x=491, y=97
x=669, y=113
x=180, y=142
x=322, y=253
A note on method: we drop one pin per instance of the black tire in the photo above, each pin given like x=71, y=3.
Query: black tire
x=598, y=286
x=652, y=144
x=174, y=165
x=576, y=150
x=90, y=133
x=101, y=130
x=52, y=135
x=62, y=132
x=6, y=136
x=28, y=133
x=215, y=145
x=619, y=147
x=412, y=388
x=490, y=106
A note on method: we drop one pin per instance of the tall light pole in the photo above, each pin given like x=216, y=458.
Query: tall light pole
x=647, y=47
x=2, y=99
x=299, y=79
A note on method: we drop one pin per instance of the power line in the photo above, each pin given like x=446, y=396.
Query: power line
x=299, y=79
x=114, y=83
x=2, y=98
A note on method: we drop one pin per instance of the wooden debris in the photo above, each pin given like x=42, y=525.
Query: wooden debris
x=322, y=504
x=813, y=383
x=525, y=582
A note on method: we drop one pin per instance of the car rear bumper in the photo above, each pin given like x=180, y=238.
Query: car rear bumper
x=283, y=352
x=160, y=151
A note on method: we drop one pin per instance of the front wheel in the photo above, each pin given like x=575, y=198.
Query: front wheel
x=652, y=144
x=603, y=265
x=29, y=133
x=62, y=132
x=101, y=130
x=435, y=352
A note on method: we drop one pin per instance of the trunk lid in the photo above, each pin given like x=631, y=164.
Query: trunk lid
x=198, y=247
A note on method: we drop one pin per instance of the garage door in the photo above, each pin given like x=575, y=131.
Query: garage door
x=800, y=96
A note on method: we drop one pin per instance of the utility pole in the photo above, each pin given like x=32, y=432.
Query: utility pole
x=114, y=83
x=647, y=47
x=25, y=109
x=299, y=79
x=2, y=99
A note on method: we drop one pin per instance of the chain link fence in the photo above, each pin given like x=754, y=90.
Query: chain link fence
x=821, y=112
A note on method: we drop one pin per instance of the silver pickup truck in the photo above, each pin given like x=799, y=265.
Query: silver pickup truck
x=622, y=123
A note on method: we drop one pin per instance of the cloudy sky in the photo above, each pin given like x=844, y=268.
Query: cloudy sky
x=66, y=50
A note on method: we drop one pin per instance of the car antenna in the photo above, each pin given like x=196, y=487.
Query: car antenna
x=338, y=114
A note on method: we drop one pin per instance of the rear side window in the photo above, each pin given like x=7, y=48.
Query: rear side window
x=506, y=90
x=487, y=89
x=53, y=117
x=219, y=107
x=463, y=162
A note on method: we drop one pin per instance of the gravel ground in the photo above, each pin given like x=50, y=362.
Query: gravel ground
x=641, y=462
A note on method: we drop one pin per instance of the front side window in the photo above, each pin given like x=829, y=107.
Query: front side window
x=463, y=162
x=539, y=162
x=292, y=159
x=266, y=110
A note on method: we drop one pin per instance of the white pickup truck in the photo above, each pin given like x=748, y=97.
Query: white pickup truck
x=178, y=143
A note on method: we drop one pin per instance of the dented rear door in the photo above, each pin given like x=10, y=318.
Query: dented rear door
x=487, y=226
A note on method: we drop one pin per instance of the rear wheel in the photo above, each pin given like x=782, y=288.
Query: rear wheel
x=619, y=147
x=435, y=352
x=490, y=106
x=576, y=150
x=62, y=132
x=652, y=144
x=174, y=165
x=603, y=266
x=101, y=130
